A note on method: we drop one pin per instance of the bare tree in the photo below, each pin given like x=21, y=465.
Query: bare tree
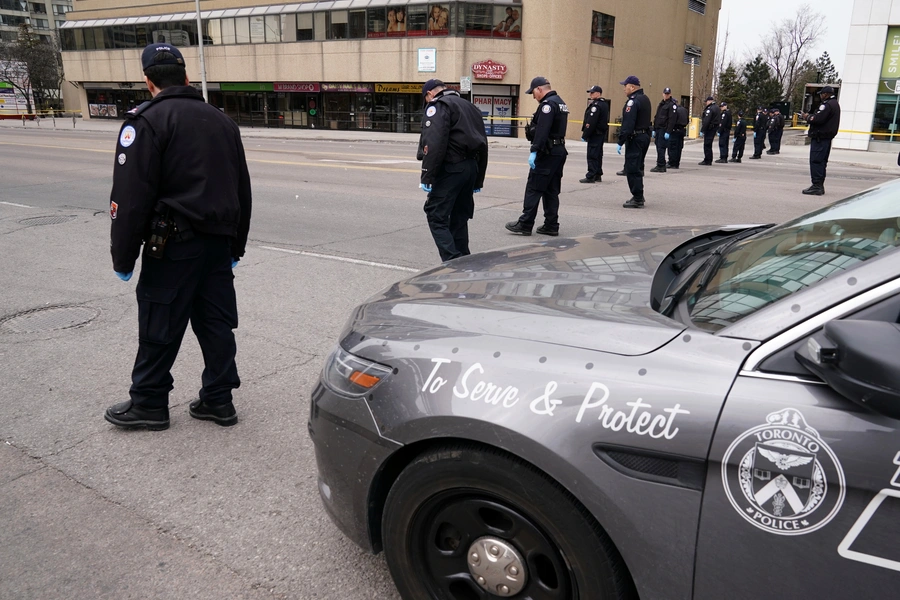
x=787, y=48
x=33, y=66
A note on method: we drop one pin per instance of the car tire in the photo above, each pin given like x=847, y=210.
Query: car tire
x=452, y=500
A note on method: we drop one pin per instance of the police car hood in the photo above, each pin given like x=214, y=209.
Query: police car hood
x=587, y=292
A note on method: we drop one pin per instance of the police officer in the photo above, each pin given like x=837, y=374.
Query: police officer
x=760, y=127
x=776, y=130
x=594, y=130
x=740, y=138
x=547, y=134
x=724, y=131
x=180, y=185
x=634, y=134
x=663, y=124
x=454, y=153
x=676, y=141
x=823, y=126
x=708, y=127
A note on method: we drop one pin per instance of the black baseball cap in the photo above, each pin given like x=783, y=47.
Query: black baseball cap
x=431, y=84
x=537, y=82
x=827, y=90
x=632, y=79
x=723, y=103
x=709, y=98
x=667, y=91
x=155, y=54
x=595, y=88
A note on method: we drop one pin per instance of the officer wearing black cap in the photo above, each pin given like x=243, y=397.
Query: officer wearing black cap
x=180, y=187
x=740, y=138
x=823, y=126
x=760, y=127
x=708, y=127
x=594, y=130
x=776, y=130
x=454, y=153
x=663, y=125
x=676, y=140
x=724, y=131
x=634, y=134
x=547, y=134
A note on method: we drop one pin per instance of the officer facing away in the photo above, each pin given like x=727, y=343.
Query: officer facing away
x=663, y=125
x=760, y=127
x=740, y=138
x=776, y=130
x=823, y=126
x=594, y=130
x=724, y=131
x=454, y=153
x=180, y=184
x=676, y=140
x=708, y=128
x=547, y=134
x=634, y=134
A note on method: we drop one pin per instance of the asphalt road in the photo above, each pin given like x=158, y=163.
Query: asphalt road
x=89, y=511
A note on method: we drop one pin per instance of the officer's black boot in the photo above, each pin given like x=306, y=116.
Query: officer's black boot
x=131, y=416
x=548, y=230
x=816, y=189
x=658, y=169
x=635, y=202
x=221, y=414
x=587, y=180
x=621, y=173
x=722, y=160
x=517, y=227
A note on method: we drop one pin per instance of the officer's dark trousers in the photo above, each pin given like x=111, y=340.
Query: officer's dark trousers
x=449, y=207
x=635, y=153
x=775, y=140
x=759, y=142
x=595, y=157
x=544, y=183
x=192, y=282
x=819, y=151
x=708, y=138
x=662, y=144
x=676, y=144
x=737, y=151
x=723, y=145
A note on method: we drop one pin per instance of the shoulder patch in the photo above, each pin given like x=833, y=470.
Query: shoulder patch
x=593, y=109
x=629, y=103
x=431, y=111
x=126, y=138
x=546, y=108
x=821, y=107
x=113, y=210
x=121, y=158
x=427, y=123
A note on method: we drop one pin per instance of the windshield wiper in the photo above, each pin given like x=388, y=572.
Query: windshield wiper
x=714, y=261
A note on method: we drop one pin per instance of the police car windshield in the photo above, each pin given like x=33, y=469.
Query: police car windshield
x=766, y=268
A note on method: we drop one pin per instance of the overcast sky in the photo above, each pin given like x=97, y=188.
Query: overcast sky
x=748, y=21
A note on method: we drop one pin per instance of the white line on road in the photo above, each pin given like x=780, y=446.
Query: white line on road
x=355, y=261
x=14, y=204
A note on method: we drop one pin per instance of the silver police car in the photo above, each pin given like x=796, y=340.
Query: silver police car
x=660, y=413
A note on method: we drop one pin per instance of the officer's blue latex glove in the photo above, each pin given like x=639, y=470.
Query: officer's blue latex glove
x=701, y=134
x=476, y=190
x=124, y=276
x=582, y=139
x=754, y=134
x=619, y=149
x=653, y=135
x=425, y=187
x=719, y=134
x=234, y=262
x=531, y=158
x=667, y=135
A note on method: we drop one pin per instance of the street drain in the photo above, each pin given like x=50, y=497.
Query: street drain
x=49, y=220
x=48, y=318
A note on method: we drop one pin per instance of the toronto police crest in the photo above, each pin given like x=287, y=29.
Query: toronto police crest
x=782, y=477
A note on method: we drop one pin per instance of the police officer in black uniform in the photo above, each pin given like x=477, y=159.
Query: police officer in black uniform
x=724, y=131
x=547, y=134
x=760, y=127
x=180, y=186
x=594, y=130
x=823, y=126
x=454, y=153
x=634, y=134
x=676, y=140
x=663, y=125
x=708, y=128
x=740, y=138
x=776, y=130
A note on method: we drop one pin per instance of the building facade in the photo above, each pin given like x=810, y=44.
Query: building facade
x=360, y=64
x=870, y=90
x=43, y=17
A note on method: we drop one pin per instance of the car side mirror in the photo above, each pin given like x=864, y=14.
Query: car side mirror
x=859, y=360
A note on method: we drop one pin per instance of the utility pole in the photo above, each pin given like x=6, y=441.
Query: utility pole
x=200, y=46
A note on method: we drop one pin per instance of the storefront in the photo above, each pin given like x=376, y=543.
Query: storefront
x=113, y=100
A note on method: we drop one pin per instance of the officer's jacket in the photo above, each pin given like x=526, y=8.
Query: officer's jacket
x=596, y=120
x=710, y=119
x=635, y=116
x=452, y=131
x=824, y=123
x=776, y=122
x=740, y=128
x=665, y=115
x=549, y=123
x=761, y=122
x=725, y=122
x=177, y=151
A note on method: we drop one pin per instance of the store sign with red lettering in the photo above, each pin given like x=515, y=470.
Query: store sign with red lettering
x=488, y=69
x=295, y=86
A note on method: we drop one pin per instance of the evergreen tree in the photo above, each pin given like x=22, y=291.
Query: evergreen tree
x=826, y=73
x=761, y=87
x=731, y=89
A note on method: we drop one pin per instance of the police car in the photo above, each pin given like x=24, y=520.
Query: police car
x=660, y=413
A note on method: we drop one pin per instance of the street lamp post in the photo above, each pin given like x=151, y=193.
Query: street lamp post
x=200, y=46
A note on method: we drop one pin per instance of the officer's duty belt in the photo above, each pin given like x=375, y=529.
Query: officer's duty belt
x=558, y=142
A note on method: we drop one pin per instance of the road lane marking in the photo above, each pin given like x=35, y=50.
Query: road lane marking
x=354, y=261
x=14, y=204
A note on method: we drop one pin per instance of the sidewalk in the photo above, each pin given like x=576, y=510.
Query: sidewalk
x=852, y=158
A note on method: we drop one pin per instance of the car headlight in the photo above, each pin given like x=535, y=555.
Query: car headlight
x=351, y=375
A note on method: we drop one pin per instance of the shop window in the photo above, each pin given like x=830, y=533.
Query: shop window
x=228, y=34
x=273, y=28
x=377, y=22
x=321, y=27
x=357, y=24
x=242, y=30
x=507, y=22
x=603, y=28
x=438, y=19
x=257, y=29
x=885, y=120
x=339, y=29
x=213, y=35
x=478, y=19
x=398, y=27
x=416, y=19
x=304, y=26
